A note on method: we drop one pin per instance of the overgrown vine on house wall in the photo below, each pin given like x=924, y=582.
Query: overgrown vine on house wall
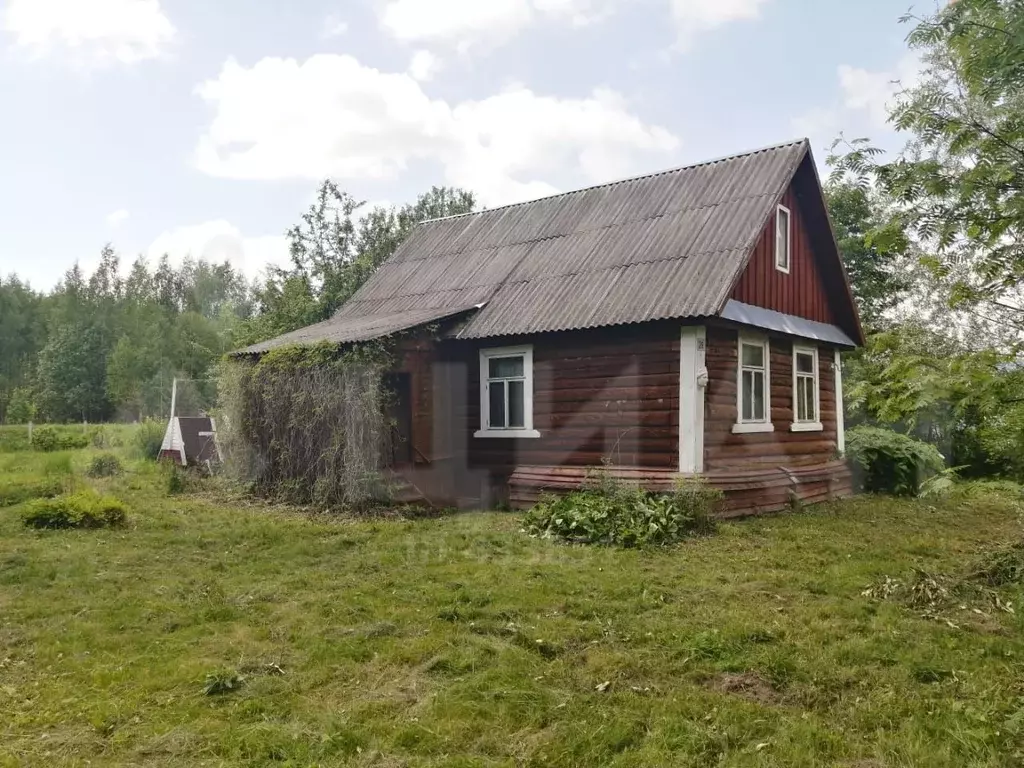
x=309, y=424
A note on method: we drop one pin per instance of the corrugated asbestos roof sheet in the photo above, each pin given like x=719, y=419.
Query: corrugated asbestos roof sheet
x=356, y=329
x=668, y=245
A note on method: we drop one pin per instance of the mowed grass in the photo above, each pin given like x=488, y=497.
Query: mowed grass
x=460, y=641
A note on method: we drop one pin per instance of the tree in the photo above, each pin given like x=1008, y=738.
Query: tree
x=333, y=255
x=71, y=378
x=22, y=335
x=958, y=188
x=20, y=408
x=875, y=277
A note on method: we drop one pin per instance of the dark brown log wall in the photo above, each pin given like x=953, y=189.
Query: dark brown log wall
x=801, y=292
x=724, y=450
x=598, y=395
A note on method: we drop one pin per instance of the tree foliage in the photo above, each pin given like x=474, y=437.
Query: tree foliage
x=959, y=185
x=871, y=260
x=108, y=344
x=333, y=252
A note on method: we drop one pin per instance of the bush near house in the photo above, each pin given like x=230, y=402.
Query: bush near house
x=619, y=515
x=889, y=462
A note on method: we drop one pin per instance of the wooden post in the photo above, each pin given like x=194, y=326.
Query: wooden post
x=30, y=433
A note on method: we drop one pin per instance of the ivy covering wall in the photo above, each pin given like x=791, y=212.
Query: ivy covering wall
x=309, y=424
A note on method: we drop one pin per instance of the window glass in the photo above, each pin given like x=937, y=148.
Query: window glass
x=516, y=404
x=497, y=401
x=748, y=395
x=804, y=363
x=782, y=239
x=506, y=367
x=753, y=355
x=758, y=396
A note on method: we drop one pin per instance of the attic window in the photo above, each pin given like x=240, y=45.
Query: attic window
x=506, y=392
x=782, y=238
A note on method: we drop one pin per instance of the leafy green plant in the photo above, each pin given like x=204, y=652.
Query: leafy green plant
x=890, y=462
x=79, y=510
x=148, y=438
x=48, y=438
x=104, y=465
x=19, y=491
x=221, y=682
x=617, y=514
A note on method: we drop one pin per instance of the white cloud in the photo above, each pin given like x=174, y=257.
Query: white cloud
x=862, y=103
x=694, y=16
x=469, y=23
x=92, y=31
x=118, y=217
x=335, y=26
x=874, y=92
x=331, y=116
x=220, y=241
x=424, y=65
x=455, y=21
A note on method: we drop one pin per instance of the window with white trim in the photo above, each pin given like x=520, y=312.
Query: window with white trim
x=753, y=382
x=783, y=231
x=806, y=390
x=506, y=396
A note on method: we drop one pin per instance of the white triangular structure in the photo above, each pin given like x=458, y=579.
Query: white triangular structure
x=173, y=446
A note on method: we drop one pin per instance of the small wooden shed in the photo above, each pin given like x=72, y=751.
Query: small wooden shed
x=190, y=441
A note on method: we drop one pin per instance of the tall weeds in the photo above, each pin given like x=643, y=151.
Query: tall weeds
x=308, y=424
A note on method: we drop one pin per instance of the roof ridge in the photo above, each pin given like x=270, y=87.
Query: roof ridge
x=651, y=175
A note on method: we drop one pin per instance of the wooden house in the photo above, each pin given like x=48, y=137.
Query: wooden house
x=688, y=322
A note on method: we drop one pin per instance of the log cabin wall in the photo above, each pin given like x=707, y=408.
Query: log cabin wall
x=801, y=292
x=609, y=394
x=725, y=451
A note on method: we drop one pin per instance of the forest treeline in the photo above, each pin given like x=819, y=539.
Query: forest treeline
x=932, y=238
x=107, y=345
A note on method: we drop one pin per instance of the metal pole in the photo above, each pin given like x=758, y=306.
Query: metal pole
x=174, y=397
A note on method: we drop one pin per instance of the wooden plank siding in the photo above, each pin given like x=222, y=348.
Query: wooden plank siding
x=801, y=292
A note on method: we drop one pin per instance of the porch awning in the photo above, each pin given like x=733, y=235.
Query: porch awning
x=770, y=320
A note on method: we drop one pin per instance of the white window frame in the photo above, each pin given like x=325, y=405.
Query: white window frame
x=815, y=425
x=784, y=268
x=743, y=426
x=527, y=430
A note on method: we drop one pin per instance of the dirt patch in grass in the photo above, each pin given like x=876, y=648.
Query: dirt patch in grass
x=746, y=685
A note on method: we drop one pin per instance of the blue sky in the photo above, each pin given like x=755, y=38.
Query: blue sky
x=191, y=126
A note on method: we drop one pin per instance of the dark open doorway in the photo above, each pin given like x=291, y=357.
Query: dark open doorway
x=400, y=414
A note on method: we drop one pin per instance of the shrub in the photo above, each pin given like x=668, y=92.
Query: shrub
x=619, y=515
x=18, y=492
x=148, y=438
x=890, y=462
x=48, y=439
x=79, y=510
x=104, y=465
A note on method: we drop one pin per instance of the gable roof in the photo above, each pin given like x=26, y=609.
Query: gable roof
x=667, y=245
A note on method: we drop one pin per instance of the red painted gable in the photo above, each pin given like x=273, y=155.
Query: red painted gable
x=801, y=292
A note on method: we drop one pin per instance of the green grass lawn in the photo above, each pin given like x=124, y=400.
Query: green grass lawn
x=460, y=641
